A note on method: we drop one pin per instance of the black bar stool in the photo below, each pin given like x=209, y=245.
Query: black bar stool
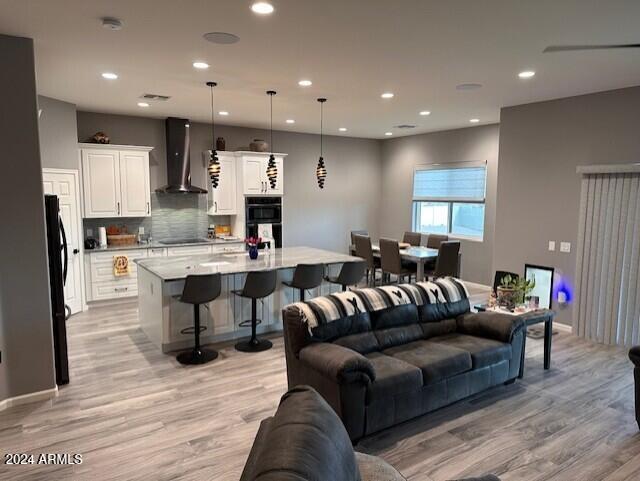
x=351, y=273
x=257, y=285
x=306, y=276
x=198, y=289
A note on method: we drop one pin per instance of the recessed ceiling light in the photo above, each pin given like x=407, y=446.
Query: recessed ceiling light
x=342, y=129
x=474, y=121
x=526, y=74
x=109, y=75
x=263, y=8
x=223, y=112
x=387, y=95
x=290, y=121
x=425, y=112
x=201, y=65
x=305, y=83
x=388, y=133
x=143, y=104
x=468, y=86
x=221, y=38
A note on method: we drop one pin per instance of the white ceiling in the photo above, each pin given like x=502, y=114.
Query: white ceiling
x=353, y=50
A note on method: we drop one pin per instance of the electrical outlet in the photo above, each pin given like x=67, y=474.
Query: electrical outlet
x=89, y=232
x=141, y=230
x=552, y=245
x=565, y=246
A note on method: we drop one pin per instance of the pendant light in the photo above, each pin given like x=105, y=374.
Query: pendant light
x=214, y=164
x=321, y=170
x=272, y=168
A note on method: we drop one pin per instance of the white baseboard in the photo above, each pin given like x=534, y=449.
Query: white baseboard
x=562, y=327
x=29, y=398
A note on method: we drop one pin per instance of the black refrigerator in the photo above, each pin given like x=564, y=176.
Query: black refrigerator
x=58, y=264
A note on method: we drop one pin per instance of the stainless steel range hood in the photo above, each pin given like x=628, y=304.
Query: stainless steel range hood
x=178, y=159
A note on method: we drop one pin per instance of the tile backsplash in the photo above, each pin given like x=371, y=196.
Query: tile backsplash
x=172, y=216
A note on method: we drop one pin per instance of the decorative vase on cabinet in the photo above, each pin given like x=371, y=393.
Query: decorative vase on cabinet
x=259, y=145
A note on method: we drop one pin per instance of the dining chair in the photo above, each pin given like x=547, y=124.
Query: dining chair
x=354, y=233
x=391, y=261
x=447, y=263
x=412, y=238
x=434, y=240
x=365, y=251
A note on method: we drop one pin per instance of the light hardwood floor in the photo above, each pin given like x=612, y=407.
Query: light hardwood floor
x=136, y=414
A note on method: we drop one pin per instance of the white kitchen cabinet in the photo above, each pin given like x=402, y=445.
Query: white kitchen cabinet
x=231, y=247
x=157, y=252
x=102, y=284
x=191, y=250
x=254, y=174
x=222, y=200
x=115, y=180
x=135, y=192
x=101, y=182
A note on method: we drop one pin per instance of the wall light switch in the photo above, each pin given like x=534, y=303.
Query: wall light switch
x=565, y=246
x=552, y=245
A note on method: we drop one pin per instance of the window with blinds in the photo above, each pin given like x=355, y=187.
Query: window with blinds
x=450, y=199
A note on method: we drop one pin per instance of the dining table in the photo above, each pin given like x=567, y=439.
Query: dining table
x=418, y=254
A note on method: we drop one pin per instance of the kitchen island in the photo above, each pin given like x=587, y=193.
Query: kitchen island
x=161, y=280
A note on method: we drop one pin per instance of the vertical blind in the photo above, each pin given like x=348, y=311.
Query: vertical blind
x=608, y=258
x=445, y=183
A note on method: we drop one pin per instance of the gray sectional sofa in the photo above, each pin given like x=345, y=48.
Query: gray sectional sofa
x=381, y=356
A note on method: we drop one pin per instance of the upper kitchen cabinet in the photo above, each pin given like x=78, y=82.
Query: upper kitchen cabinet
x=254, y=174
x=115, y=180
x=222, y=199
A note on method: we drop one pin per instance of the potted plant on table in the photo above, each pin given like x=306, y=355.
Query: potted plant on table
x=252, y=243
x=512, y=291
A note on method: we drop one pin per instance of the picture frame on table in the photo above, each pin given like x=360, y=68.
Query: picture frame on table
x=543, y=276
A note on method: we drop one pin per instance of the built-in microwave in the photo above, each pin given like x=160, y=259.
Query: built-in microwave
x=264, y=210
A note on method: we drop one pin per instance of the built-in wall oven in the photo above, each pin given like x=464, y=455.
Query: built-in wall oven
x=264, y=210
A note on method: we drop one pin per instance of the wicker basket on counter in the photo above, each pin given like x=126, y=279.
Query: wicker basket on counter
x=121, y=239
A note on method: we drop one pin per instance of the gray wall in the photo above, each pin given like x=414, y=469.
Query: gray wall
x=538, y=188
x=58, y=134
x=322, y=218
x=400, y=157
x=25, y=313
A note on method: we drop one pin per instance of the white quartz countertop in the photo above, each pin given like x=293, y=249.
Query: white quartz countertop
x=176, y=268
x=160, y=245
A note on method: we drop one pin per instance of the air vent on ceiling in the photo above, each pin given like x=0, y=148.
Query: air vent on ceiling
x=404, y=126
x=161, y=98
